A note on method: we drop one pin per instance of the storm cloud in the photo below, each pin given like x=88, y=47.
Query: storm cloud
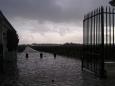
x=54, y=18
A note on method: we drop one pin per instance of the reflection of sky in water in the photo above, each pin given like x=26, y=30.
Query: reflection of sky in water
x=63, y=71
x=36, y=71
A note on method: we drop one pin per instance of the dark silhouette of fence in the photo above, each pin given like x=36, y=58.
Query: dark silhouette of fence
x=98, y=39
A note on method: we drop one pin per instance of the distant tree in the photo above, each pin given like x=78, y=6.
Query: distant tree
x=12, y=40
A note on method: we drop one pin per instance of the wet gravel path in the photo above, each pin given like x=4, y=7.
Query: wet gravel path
x=50, y=71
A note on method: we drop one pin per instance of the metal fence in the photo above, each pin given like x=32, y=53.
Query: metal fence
x=98, y=39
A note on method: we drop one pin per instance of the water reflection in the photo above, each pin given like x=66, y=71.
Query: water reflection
x=48, y=71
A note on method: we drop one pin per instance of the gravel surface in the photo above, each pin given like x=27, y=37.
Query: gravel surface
x=50, y=71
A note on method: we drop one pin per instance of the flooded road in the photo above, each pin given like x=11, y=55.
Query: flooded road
x=50, y=71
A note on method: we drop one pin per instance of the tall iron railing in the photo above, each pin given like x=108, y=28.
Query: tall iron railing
x=98, y=39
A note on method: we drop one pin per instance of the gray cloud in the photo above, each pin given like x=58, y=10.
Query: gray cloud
x=48, y=17
x=50, y=10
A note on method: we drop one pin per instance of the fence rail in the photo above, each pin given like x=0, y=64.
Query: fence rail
x=98, y=39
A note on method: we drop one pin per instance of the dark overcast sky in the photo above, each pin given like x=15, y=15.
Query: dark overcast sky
x=48, y=21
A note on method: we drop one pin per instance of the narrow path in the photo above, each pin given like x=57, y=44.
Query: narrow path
x=50, y=71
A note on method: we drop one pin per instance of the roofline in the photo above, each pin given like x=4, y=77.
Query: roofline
x=6, y=20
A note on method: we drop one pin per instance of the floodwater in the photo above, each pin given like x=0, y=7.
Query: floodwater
x=50, y=71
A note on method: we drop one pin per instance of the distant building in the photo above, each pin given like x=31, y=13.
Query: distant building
x=8, y=41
